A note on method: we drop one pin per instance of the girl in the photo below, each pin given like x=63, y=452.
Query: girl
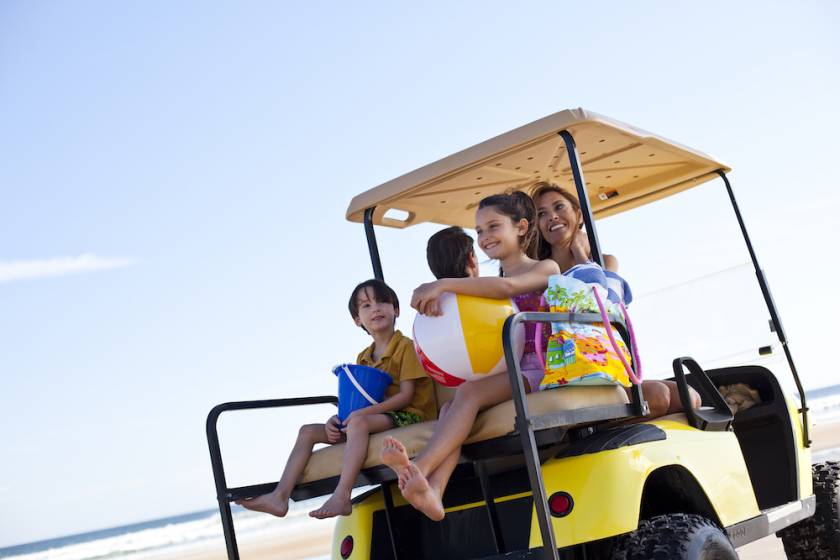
x=506, y=232
x=561, y=240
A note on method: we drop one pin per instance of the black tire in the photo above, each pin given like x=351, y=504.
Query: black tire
x=818, y=537
x=675, y=536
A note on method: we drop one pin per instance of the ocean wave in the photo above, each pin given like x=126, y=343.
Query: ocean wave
x=134, y=545
x=825, y=408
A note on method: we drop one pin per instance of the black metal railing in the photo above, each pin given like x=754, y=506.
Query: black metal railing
x=225, y=495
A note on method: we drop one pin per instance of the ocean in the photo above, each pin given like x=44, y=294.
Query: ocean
x=180, y=533
x=203, y=528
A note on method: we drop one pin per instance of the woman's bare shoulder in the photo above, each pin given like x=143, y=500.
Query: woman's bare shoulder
x=546, y=266
x=611, y=263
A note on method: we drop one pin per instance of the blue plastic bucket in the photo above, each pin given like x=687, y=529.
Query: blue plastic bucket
x=370, y=384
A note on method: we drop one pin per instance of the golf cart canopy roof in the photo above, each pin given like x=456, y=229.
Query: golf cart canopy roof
x=624, y=167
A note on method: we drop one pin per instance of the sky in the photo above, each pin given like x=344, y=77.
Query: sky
x=175, y=176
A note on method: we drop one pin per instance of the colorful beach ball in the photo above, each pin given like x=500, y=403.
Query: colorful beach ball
x=465, y=343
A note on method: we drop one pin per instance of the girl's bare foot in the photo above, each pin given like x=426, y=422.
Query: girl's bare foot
x=272, y=503
x=336, y=505
x=393, y=454
x=418, y=493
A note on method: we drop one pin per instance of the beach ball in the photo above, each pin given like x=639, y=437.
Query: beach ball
x=465, y=343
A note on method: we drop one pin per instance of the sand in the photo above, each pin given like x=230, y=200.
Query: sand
x=825, y=436
x=315, y=541
x=309, y=542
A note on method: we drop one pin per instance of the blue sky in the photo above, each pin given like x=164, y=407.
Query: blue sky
x=175, y=178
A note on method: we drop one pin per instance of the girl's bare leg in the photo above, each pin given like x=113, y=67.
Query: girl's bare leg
x=419, y=493
x=455, y=426
x=425, y=479
x=355, y=450
x=439, y=478
x=277, y=501
x=394, y=455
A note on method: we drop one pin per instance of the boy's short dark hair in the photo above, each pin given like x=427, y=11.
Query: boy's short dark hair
x=382, y=292
x=448, y=253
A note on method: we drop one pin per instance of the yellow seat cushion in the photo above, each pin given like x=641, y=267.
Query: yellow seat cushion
x=679, y=417
x=494, y=422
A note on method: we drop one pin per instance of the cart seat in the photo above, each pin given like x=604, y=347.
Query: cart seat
x=491, y=423
x=679, y=417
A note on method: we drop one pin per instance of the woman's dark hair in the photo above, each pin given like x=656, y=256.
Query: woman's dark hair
x=517, y=206
x=543, y=250
x=448, y=253
x=382, y=293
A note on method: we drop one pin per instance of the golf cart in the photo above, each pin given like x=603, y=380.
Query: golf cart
x=561, y=473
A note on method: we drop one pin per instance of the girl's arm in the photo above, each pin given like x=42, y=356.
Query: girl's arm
x=393, y=403
x=425, y=296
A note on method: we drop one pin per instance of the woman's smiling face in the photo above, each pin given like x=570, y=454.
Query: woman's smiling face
x=498, y=235
x=557, y=219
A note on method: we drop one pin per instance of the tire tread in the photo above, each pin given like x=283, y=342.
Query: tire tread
x=668, y=537
x=818, y=537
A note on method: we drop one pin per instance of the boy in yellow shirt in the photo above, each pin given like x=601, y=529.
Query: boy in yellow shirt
x=409, y=399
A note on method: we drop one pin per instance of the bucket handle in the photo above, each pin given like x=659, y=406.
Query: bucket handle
x=358, y=386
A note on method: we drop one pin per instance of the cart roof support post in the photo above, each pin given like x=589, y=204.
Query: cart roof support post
x=771, y=307
x=640, y=407
x=372, y=247
x=583, y=198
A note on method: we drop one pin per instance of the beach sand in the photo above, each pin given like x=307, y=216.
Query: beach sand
x=308, y=542
x=314, y=541
x=825, y=436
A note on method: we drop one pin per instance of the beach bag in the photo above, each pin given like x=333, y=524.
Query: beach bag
x=580, y=353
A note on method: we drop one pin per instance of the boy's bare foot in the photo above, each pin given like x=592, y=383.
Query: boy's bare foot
x=336, y=505
x=267, y=503
x=393, y=454
x=418, y=493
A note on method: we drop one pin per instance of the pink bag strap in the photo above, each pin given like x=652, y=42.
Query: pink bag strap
x=538, y=334
x=633, y=347
x=636, y=379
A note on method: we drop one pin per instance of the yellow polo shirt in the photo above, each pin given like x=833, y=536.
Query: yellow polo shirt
x=400, y=362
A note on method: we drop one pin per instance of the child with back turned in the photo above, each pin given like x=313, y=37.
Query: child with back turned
x=409, y=399
x=450, y=254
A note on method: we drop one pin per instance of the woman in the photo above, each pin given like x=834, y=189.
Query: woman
x=562, y=239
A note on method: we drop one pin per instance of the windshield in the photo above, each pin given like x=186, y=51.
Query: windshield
x=695, y=289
